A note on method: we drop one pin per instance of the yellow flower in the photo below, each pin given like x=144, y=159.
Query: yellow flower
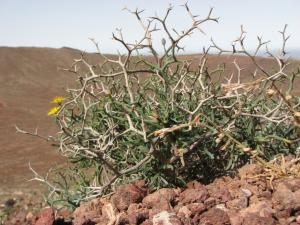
x=53, y=111
x=58, y=100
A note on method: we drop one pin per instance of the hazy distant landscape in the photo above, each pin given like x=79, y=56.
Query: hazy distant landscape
x=295, y=53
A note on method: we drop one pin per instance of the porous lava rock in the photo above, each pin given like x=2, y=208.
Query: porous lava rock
x=246, y=199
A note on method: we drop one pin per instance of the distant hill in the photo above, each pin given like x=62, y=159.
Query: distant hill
x=29, y=79
x=294, y=53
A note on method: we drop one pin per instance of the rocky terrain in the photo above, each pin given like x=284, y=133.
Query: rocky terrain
x=249, y=198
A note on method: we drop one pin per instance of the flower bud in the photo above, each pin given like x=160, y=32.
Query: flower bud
x=288, y=97
x=270, y=92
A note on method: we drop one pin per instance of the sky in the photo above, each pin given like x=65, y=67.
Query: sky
x=70, y=23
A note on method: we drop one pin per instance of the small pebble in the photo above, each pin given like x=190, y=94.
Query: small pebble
x=246, y=192
x=298, y=219
x=222, y=207
x=29, y=216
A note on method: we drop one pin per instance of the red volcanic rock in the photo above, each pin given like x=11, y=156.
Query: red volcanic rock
x=137, y=214
x=258, y=213
x=185, y=212
x=262, y=209
x=161, y=200
x=190, y=210
x=166, y=218
x=238, y=203
x=254, y=219
x=167, y=194
x=128, y=194
x=210, y=202
x=213, y=216
x=46, y=217
x=86, y=218
x=227, y=200
x=219, y=192
x=89, y=212
x=249, y=171
x=283, y=198
x=286, y=198
x=194, y=195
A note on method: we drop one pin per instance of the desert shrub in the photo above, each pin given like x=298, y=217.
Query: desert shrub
x=169, y=118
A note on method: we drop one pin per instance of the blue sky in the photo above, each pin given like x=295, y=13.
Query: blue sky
x=57, y=23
